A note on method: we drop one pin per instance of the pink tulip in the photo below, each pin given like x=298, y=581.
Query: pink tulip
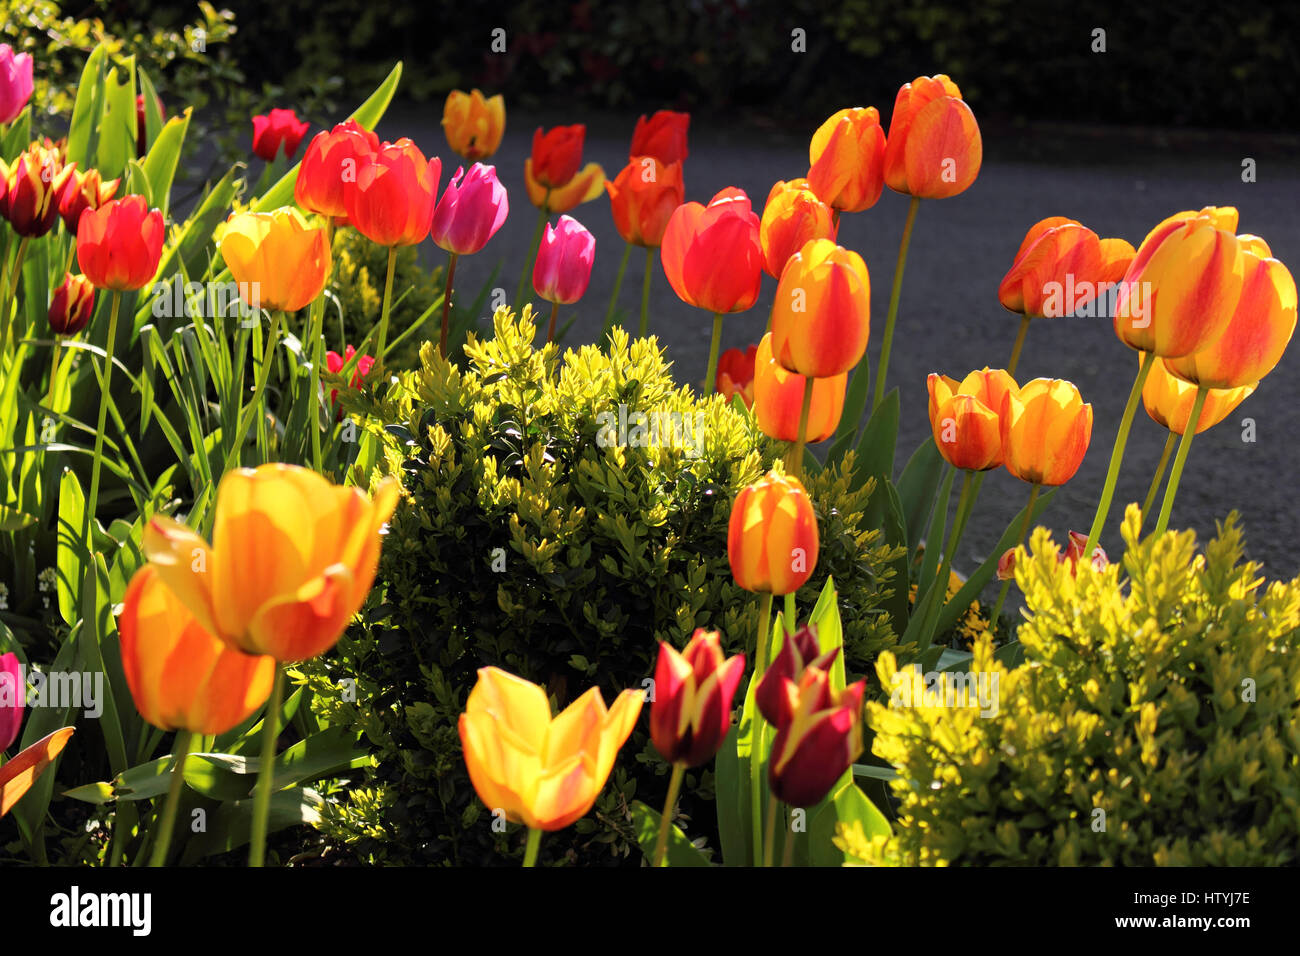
x=471, y=210
x=564, y=262
x=15, y=82
x=12, y=697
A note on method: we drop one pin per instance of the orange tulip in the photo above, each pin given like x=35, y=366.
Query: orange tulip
x=711, y=253
x=393, y=199
x=1045, y=431
x=793, y=215
x=277, y=256
x=119, y=245
x=821, y=317
x=772, y=536
x=1259, y=329
x=934, y=148
x=586, y=185
x=1116, y=256
x=1058, y=270
x=847, y=160
x=543, y=771
x=643, y=197
x=329, y=169
x=474, y=124
x=1182, y=287
x=965, y=417
x=292, y=559
x=180, y=676
x=1168, y=400
x=778, y=399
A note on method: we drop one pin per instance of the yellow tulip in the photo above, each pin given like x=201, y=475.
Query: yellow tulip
x=280, y=262
x=1168, y=400
x=584, y=187
x=474, y=124
x=292, y=559
x=540, y=770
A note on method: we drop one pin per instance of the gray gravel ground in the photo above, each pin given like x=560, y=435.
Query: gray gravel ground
x=1119, y=183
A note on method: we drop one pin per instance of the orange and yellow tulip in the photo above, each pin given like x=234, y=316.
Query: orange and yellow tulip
x=282, y=261
x=292, y=559
x=778, y=399
x=1045, y=431
x=180, y=676
x=539, y=770
x=934, y=149
x=792, y=216
x=772, y=536
x=1057, y=270
x=643, y=197
x=474, y=124
x=821, y=316
x=965, y=417
x=1168, y=400
x=847, y=160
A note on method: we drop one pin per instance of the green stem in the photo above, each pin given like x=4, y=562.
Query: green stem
x=167, y=821
x=882, y=369
x=9, y=291
x=54, y=371
x=534, y=842
x=789, y=616
x=1184, y=446
x=618, y=284
x=262, y=796
x=1117, y=453
x=756, y=747
x=542, y=215
x=1156, y=478
x=1024, y=530
x=794, y=460
x=964, y=502
x=550, y=328
x=666, y=821
x=770, y=839
x=787, y=856
x=645, y=293
x=259, y=389
x=446, y=305
x=317, y=343
x=92, y=502
x=388, y=301
x=711, y=373
x=1020, y=342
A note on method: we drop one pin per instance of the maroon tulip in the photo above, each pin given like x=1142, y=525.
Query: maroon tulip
x=72, y=305
x=819, y=742
x=692, y=704
x=777, y=692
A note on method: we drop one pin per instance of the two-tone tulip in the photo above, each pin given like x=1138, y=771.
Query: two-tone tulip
x=13, y=698
x=1057, y=270
x=643, y=197
x=819, y=742
x=662, y=136
x=292, y=559
x=777, y=693
x=792, y=217
x=277, y=257
x=691, y=713
x=736, y=374
x=1072, y=554
x=772, y=538
x=15, y=86
x=711, y=254
x=396, y=191
x=180, y=676
x=473, y=123
x=472, y=208
x=84, y=191
x=934, y=149
x=778, y=399
x=545, y=772
x=120, y=244
x=72, y=305
x=1168, y=399
x=847, y=160
x=821, y=317
x=276, y=130
x=966, y=417
x=330, y=166
x=33, y=184
x=554, y=176
x=1046, y=428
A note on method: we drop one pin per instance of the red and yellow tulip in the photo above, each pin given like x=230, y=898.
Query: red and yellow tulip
x=691, y=713
x=772, y=536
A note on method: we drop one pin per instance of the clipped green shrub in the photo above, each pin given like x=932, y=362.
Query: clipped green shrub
x=1153, y=722
x=531, y=539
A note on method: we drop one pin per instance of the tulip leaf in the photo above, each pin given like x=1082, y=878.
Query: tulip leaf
x=681, y=852
x=1011, y=654
x=899, y=602
x=875, y=457
x=164, y=156
x=830, y=631
x=917, y=487
x=70, y=561
x=17, y=136
x=855, y=403
x=98, y=793
x=41, y=722
x=117, y=128
x=731, y=792
x=230, y=824
x=874, y=773
x=18, y=774
x=143, y=781
x=83, y=132
x=11, y=519
x=951, y=660
x=220, y=776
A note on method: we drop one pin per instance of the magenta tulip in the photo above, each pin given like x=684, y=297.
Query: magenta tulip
x=12, y=698
x=15, y=82
x=564, y=262
x=471, y=210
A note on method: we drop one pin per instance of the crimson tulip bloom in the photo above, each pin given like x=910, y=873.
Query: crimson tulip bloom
x=120, y=243
x=393, y=199
x=777, y=691
x=712, y=255
x=662, y=136
x=13, y=697
x=330, y=167
x=33, y=185
x=556, y=155
x=84, y=191
x=736, y=374
x=692, y=699
x=15, y=86
x=820, y=740
x=564, y=261
x=71, y=306
x=471, y=210
x=275, y=129
x=334, y=364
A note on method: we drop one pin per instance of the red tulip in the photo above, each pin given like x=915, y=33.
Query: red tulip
x=330, y=167
x=71, y=306
x=119, y=244
x=142, y=126
x=32, y=189
x=564, y=261
x=819, y=742
x=692, y=699
x=556, y=155
x=662, y=136
x=471, y=210
x=711, y=254
x=275, y=129
x=393, y=199
x=84, y=191
x=736, y=374
x=334, y=364
x=778, y=690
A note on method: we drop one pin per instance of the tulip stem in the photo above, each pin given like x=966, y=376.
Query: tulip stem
x=446, y=305
x=96, y=463
x=265, y=773
x=1020, y=342
x=1117, y=453
x=54, y=370
x=787, y=855
x=534, y=841
x=790, y=617
x=550, y=328
x=167, y=821
x=1156, y=478
x=618, y=284
x=756, y=739
x=1024, y=530
x=964, y=502
x=771, y=831
x=645, y=293
x=666, y=821
x=794, y=460
x=317, y=318
x=883, y=368
x=9, y=290
x=711, y=372
x=263, y=373
x=543, y=213
x=388, y=301
x=1184, y=446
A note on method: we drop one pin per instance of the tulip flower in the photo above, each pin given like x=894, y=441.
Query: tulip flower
x=469, y=213
x=847, y=160
x=556, y=155
x=281, y=261
x=276, y=129
x=329, y=169
x=778, y=399
x=13, y=697
x=1073, y=553
x=819, y=742
x=793, y=216
x=1168, y=400
x=965, y=417
x=563, y=267
x=120, y=244
x=33, y=184
x=15, y=84
x=662, y=136
x=473, y=124
x=84, y=191
x=539, y=770
x=71, y=305
x=736, y=374
x=1045, y=431
x=692, y=702
x=643, y=198
x=18, y=775
x=586, y=185
x=772, y=536
x=335, y=363
x=821, y=316
x=934, y=148
x=778, y=691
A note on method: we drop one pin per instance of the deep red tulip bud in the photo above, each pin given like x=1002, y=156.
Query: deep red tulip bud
x=692, y=704
x=84, y=191
x=662, y=136
x=33, y=185
x=820, y=741
x=72, y=305
x=277, y=128
x=778, y=691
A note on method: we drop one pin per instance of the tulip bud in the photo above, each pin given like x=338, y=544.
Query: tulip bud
x=1046, y=428
x=276, y=129
x=772, y=536
x=334, y=364
x=396, y=191
x=556, y=155
x=15, y=86
x=691, y=713
x=778, y=399
x=34, y=183
x=13, y=697
x=72, y=305
x=564, y=260
x=778, y=690
x=84, y=191
x=473, y=124
x=1072, y=553
x=821, y=317
x=819, y=742
x=736, y=374
x=934, y=148
x=1053, y=259
x=793, y=215
x=142, y=125
x=471, y=210
x=120, y=244
x=965, y=417
x=662, y=136
x=847, y=160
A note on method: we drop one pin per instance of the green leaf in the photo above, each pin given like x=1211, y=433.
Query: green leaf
x=164, y=156
x=917, y=487
x=899, y=603
x=855, y=403
x=143, y=781
x=11, y=519
x=230, y=825
x=92, y=793
x=681, y=852
x=730, y=788
x=117, y=133
x=327, y=753
x=83, y=133
x=29, y=814
x=875, y=455
x=17, y=136
x=153, y=118
x=830, y=631
x=70, y=560
x=870, y=772
x=848, y=805
x=951, y=660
